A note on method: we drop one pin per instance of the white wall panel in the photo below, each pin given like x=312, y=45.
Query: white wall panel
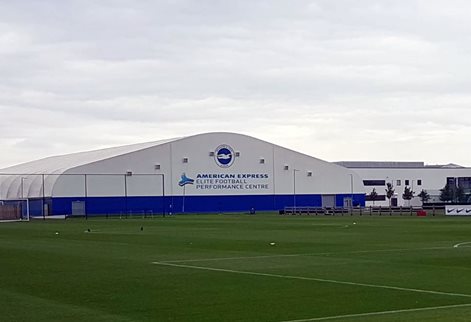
x=144, y=185
x=105, y=185
x=69, y=186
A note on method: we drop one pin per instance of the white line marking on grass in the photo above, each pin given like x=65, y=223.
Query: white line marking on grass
x=382, y=313
x=233, y=258
x=137, y=232
x=396, y=288
x=460, y=244
x=302, y=254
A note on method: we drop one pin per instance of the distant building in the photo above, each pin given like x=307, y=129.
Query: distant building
x=416, y=175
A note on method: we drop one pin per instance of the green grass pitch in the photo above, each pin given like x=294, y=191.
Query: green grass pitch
x=223, y=268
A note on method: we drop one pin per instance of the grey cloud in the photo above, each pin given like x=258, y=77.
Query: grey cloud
x=305, y=74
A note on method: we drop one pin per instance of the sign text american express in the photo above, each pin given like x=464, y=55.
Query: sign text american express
x=232, y=176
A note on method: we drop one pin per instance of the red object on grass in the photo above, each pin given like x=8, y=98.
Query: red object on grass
x=421, y=213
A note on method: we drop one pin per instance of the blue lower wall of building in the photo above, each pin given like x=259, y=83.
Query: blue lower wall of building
x=193, y=204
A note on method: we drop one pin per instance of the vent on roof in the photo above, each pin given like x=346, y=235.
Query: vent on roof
x=211, y=153
x=185, y=160
x=237, y=154
x=309, y=173
x=157, y=167
x=128, y=173
x=286, y=167
x=262, y=161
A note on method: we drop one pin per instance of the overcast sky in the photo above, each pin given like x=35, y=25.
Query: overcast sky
x=336, y=79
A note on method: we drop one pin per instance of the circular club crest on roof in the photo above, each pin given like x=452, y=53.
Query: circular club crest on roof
x=224, y=156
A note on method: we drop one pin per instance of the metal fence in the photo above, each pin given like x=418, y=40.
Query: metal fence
x=364, y=211
x=83, y=194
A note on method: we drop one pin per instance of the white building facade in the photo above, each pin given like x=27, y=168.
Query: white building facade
x=415, y=175
x=212, y=172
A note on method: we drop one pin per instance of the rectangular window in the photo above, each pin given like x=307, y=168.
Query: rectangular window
x=374, y=182
x=419, y=182
x=464, y=183
x=378, y=198
x=406, y=182
x=398, y=182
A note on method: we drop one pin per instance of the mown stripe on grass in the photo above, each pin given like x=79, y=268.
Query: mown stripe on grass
x=322, y=280
x=305, y=254
x=48, y=309
x=345, y=316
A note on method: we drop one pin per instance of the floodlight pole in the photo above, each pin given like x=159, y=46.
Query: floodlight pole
x=86, y=196
x=27, y=208
x=22, y=197
x=44, y=198
x=294, y=188
x=126, y=195
x=163, y=195
x=183, y=201
x=22, y=187
x=351, y=190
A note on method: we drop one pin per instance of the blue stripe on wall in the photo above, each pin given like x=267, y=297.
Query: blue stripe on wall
x=193, y=204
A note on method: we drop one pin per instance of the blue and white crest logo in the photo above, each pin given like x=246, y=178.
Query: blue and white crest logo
x=224, y=156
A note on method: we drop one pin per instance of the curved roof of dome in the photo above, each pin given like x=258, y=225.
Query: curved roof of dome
x=11, y=182
x=61, y=163
x=11, y=178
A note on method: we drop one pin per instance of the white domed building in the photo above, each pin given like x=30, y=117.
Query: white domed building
x=212, y=172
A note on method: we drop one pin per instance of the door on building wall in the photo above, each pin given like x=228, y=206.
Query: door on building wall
x=393, y=202
x=328, y=201
x=78, y=208
x=347, y=202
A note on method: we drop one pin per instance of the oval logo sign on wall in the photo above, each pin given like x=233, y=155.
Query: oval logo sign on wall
x=224, y=156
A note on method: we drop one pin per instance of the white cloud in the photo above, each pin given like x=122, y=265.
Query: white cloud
x=338, y=80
